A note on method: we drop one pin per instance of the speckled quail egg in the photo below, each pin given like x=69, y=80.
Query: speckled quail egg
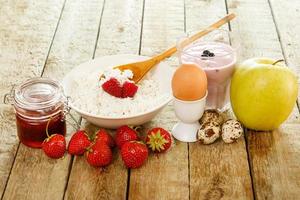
x=211, y=115
x=209, y=132
x=231, y=130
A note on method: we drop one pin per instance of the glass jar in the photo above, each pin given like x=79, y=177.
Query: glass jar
x=217, y=57
x=36, y=102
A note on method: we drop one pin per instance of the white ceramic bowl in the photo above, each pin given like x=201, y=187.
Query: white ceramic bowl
x=162, y=73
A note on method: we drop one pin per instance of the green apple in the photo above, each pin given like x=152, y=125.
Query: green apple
x=263, y=93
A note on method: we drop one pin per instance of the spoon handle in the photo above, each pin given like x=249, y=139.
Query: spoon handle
x=194, y=37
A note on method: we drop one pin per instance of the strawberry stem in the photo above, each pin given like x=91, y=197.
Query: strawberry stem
x=156, y=141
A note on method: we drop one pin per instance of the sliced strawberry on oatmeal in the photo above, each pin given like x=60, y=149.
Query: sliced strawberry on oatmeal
x=113, y=87
x=129, y=89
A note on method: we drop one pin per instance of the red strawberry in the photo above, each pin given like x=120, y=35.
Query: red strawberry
x=134, y=154
x=79, y=143
x=103, y=136
x=54, y=146
x=99, y=155
x=158, y=140
x=125, y=134
x=113, y=87
x=129, y=89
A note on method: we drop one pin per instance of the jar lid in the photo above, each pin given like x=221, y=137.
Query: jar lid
x=38, y=93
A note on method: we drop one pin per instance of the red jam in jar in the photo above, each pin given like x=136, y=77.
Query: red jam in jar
x=37, y=102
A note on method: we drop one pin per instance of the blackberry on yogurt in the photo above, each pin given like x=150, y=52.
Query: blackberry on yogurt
x=207, y=53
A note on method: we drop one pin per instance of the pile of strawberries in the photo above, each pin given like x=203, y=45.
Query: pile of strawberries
x=98, y=151
x=114, y=88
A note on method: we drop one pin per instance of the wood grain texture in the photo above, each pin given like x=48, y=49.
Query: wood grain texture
x=35, y=176
x=119, y=33
x=26, y=30
x=165, y=177
x=74, y=42
x=274, y=156
x=275, y=162
x=254, y=29
x=120, y=28
x=287, y=16
x=24, y=43
x=217, y=171
x=8, y=143
x=79, y=20
x=87, y=182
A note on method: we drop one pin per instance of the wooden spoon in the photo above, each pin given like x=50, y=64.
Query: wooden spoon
x=139, y=69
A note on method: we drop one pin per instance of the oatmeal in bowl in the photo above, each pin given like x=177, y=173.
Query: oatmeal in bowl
x=113, y=100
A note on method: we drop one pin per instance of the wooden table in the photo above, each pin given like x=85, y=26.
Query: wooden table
x=49, y=38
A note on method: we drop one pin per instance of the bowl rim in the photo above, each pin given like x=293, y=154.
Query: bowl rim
x=85, y=113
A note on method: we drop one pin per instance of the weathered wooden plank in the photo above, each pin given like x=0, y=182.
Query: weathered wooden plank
x=24, y=42
x=75, y=40
x=120, y=28
x=274, y=156
x=87, y=182
x=287, y=16
x=25, y=38
x=34, y=176
x=166, y=176
x=218, y=170
x=254, y=30
x=275, y=162
x=119, y=33
x=9, y=143
x=74, y=43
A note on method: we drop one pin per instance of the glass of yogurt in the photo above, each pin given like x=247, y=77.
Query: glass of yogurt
x=214, y=54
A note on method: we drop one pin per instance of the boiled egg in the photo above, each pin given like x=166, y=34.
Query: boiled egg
x=189, y=83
